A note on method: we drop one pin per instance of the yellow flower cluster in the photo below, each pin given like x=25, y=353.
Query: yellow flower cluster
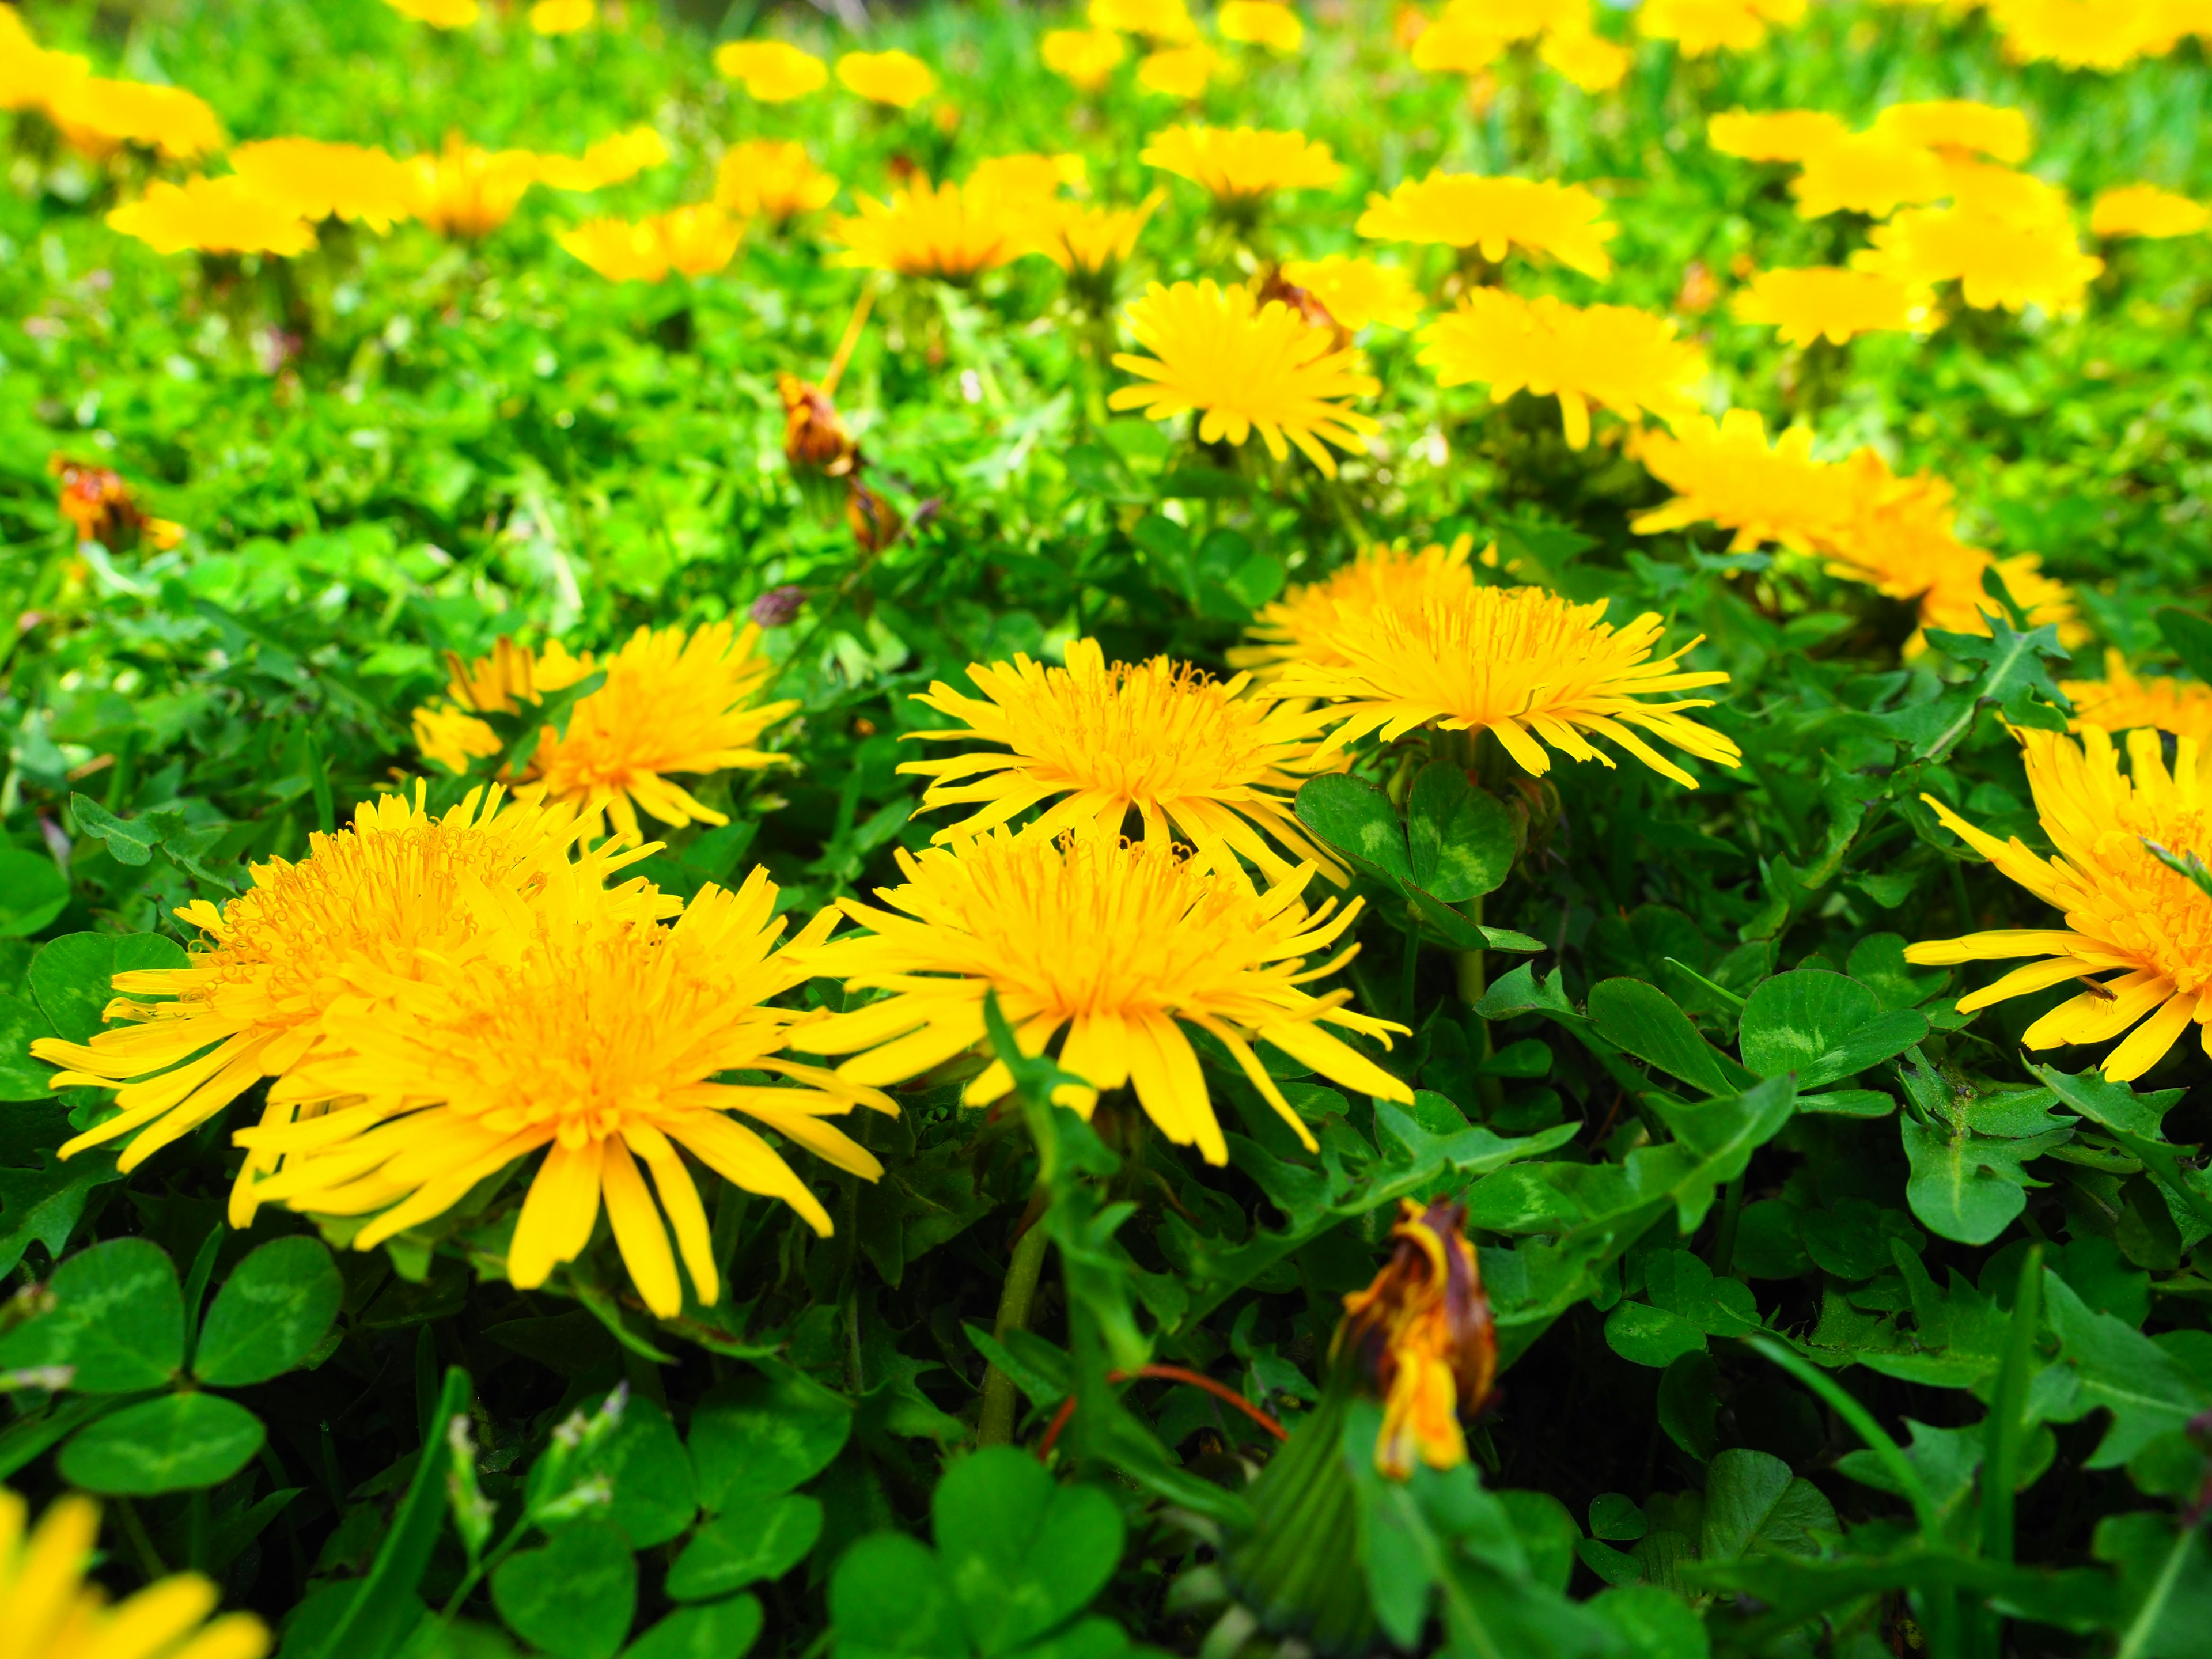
x=2095, y=34
x=1179, y=65
x=1698, y=28
x=698, y=241
x=98, y=116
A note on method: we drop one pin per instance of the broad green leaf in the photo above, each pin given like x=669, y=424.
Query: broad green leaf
x=2115, y=1366
x=1645, y=1335
x=759, y=1436
x=2191, y=637
x=1753, y=1505
x=1021, y=1553
x=890, y=1599
x=1358, y=820
x=22, y=1078
x=271, y=1313
x=1615, y=1516
x=173, y=1443
x=1644, y=1020
x=117, y=1319
x=1460, y=838
x=130, y=840
x=719, y=1630
x=573, y=1597
x=1965, y=1187
x=1722, y=1135
x=763, y=1540
x=655, y=1496
x=44, y=1206
x=33, y=892
x=1878, y=963
x=1822, y=1026
x=70, y=975
x=1683, y=1285
x=1652, y=1623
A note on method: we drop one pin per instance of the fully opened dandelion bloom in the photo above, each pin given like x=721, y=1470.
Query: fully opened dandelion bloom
x=1724, y=472
x=2146, y=211
x=943, y=231
x=1157, y=20
x=1357, y=292
x=1261, y=23
x=1561, y=221
x=1452, y=45
x=101, y=507
x=356, y=183
x=1994, y=261
x=773, y=178
x=48, y=1611
x=100, y=117
x=562, y=16
x=897, y=78
x=1244, y=367
x=1774, y=135
x=1519, y=662
x=2095, y=34
x=1960, y=124
x=1086, y=58
x=1831, y=302
x=1120, y=944
x=673, y=702
x=597, y=1038
x=772, y=71
x=366, y=912
x=1587, y=58
x=2123, y=701
x=1094, y=741
x=1301, y=626
x=228, y=214
x=467, y=191
x=1626, y=360
x=1092, y=243
x=1422, y=1337
x=2125, y=913
x=1871, y=172
x=1239, y=165
x=1179, y=71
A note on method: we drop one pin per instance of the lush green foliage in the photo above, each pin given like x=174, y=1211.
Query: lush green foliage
x=1830, y=1319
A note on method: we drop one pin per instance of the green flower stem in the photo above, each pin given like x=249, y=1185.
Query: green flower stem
x=995, y=1426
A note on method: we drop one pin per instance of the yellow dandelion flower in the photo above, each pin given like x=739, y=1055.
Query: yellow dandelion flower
x=1179, y=71
x=467, y=191
x=1239, y=165
x=1522, y=663
x=1622, y=358
x=562, y=16
x=1960, y=124
x=2145, y=210
x=674, y=701
x=1452, y=45
x=1831, y=302
x=367, y=911
x=1086, y=58
x=439, y=13
x=943, y=231
x=1356, y=292
x=1423, y=1336
x=1775, y=135
x=609, y=161
x=1724, y=472
x=49, y=1612
x=1093, y=242
x=356, y=183
x=215, y=215
x=1261, y=23
x=1028, y=180
x=1995, y=262
x=1301, y=626
x=1699, y=26
x=1157, y=19
x=1518, y=20
x=1093, y=742
x=2096, y=34
x=772, y=71
x=1120, y=944
x=773, y=178
x=1566, y=223
x=100, y=117
x=697, y=242
x=2124, y=915
x=1244, y=367
x=1587, y=58
x=597, y=1038
x=2124, y=701
x=897, y=78
x=1872, y=173
x=30, y=76
x=1957, y=601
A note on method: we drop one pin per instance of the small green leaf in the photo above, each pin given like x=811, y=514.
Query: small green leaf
x=761, y=1541
x=1645, y=1335
x=1022, y=1554
x=1823, y=1027
x=130, y=840
x=33, y=892
x=174, y=1443
x=655, y=1495
x=574, y=1597
x=1615, y=1517
x=2191, y=637
x=760, y=1436
x=1644, y=1020
x=1460, y=838
x=118, y=1320
x=719, y=1630
x=890, y=1599
x=72, y=975
x=272, y=1311
x=22, y=1078
x=1755, y=1505
x=1358, y=820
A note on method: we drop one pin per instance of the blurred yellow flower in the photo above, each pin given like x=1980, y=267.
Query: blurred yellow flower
x=30, y=76
x=2122, y=701
x=439, y=13
x=1244, y=366
x=353, y=182
x=2097, y=35
x=1699, y=26
x=2006, y=194
x=1518, y=20
x=1960, y=124
x=1158, y=19
x=1086, y=57
x=923, y=231
x=1994, y=262
x=697, y=240
x=897, y=78
x=1238, y=166
x=1587, y=58
x=1356, y=292
x=1301, y=626
x=1775, y=135
x=1179, y=71
x=562, y=16
x=1451, y=46
x=609, y=161
x=100, y=117
x=1872, y=173
x=1830, y=302
x=1724, y=472
x=1027, y=179
x=1625, y=359
x=465, y=191
x=49, y=1612
x=774, y=179
x=1261, y=23
x=2145, y=210
x=1566, y=223
x=1093, y=242
x=772, y=71
x=213, y=216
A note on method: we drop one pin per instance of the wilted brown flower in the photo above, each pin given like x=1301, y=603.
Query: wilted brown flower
x=814, y=439
x=874, y=521
x=99, y=504
x=1422, y=1335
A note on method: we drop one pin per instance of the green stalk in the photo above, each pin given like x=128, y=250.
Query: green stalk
x=2005, y=1434
x=995, y=1426
x=1724, y=1236
x=2136, y=1642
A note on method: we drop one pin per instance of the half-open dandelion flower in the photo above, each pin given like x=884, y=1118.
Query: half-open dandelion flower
x=1623, y=359
x=772, y=71
x=1121, y=945
x=1521, y=662
x=1831, y=302
x=2125, y=913
x=1774, y=135
x=1302, y=625
x=897, y=78
x=2146, y=211
x=597, y=1038
x=1725, y=473
x=1092, y=243
x=1961, y=125
x=1422, y=1337
x=2124, y=701
x=1239, y=165
x=1095, y=741
x=1565, y=223
x=1261, y=23
x=774, y=179
x=1086, y=58
x=943, y=231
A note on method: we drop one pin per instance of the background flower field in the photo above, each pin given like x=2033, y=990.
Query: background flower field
x=660, y=580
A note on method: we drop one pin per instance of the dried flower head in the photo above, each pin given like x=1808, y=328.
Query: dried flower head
x=1422, y=1336
x=1560, y=221
x=101, y=507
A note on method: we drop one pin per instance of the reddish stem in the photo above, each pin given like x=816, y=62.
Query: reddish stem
x=1220, y=1391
